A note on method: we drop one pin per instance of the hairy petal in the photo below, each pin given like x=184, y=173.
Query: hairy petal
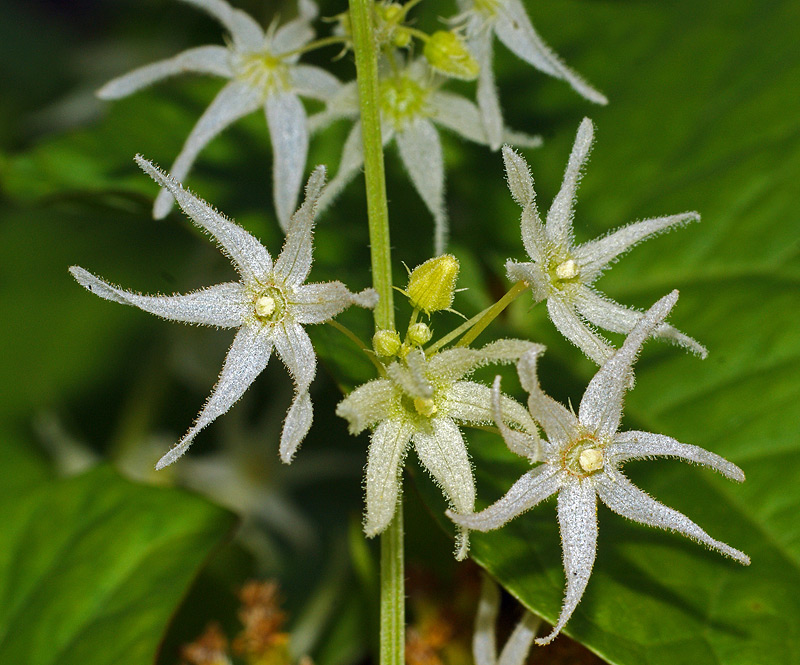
x=296, y=426
x=315, y=303
x=246, y=33
x=523, y=444
x=314, y=82
x=292, y=35
x=367, y=405
x=486, y=93
x=601, y=405
x=457, y=114
x=234, y=101
x=484, y=640
x=387, y=449
x=249, y=257
x=569, y=324
x=625, y=499
x=411, y=377
x=471, y=403
x=532, y=274
x=531, y=489
x=246, y=359
x=286, y=119
x=577, y=519
x=518, y=645
x=453, y=364
x=596, y=254
x=223, y=305
x=643, y=445
x=520, y=183
x=212, y=60
x=294, y=347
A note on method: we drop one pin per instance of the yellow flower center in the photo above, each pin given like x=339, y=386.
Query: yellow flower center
x=425, y=406
x=584, y=456
x=270, y=304
x=402, y=100
x=262, y=71
x=567, y=270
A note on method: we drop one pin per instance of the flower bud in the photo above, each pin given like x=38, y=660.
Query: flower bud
x=447, y=54
x=431, y=285
x=419, y=334
x=386, y=342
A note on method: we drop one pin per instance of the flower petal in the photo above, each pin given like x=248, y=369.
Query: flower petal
x=212, y=60
x=533, y=274
x=314, y=82
x=486, y=94
x=292, y=35
x=520, y=183
x=294, y=261
x=514, y=29
x=286, y=119
x=523, y=444
x=315, y=303
x=458, y=114
x=367, y=405
x=596, y=254
x=250, y=258
x=453, y=364
x=569, y=324
x=606, y=313
x=443, y=453
x=234, y=101
x=518, y=645
x=484, y=639
x=411, y=376
x=421, y=153
x=559, y=218
x=577, y=519
x=642, y=445
x=531, y=489
x=472, y=403
x=296, y=426
x=625, y=499
x=294, y=347
x=246, y=33
x=601, y=405
x=246, y=359
x=387, y=450
x=223, y=305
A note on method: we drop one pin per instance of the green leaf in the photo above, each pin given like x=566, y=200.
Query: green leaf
x=93, y=567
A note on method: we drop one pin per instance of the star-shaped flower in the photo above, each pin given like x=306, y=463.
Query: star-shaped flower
x=582, y=459
x=562, y=273
x=263, y=72
x=509, y=21
x=422, y=401
x=411, y=105
x=269, y=305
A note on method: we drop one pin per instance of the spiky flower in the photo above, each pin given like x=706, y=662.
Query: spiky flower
x=269, y=306
x=422, y=401
x=582, y=459
x=483, y=19
x=263, y=72
x=411, y=106
x=562, y=273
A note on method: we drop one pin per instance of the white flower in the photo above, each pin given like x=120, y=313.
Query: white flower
x=263, y=72
x=269, y=306
x=421, y=401
x=508, y=20
x=562, y=273
x=411, y=105
x=582, y=459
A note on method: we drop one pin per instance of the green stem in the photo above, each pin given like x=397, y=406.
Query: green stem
x=354, y=338
x=393, y=597
x=492, y=313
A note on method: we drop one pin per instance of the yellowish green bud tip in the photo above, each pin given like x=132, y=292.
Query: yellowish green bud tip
x=419, y=334
x=432, y=284
x=447, y=53
x=386, y=343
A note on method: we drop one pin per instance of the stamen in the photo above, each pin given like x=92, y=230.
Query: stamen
x=567, y=270
x=265, y=306
x=425, y=406
x=591, y=459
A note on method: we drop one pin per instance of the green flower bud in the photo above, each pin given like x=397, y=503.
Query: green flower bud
x=386, y=342
x=447, y=54
x=432, y=284
x=419, y=334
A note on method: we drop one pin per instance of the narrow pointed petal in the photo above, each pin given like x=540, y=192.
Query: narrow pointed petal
x=286, y=119
x=292, y=35
x=484, y=640
x=387, y=450
x=596, y=254
x=421, y=153
x=525, y=445
x=605, y=313
x=411, y=378
x=533, y=488
x=314, y=82
x=212, y=60
x=443, y=453
x=234, y=101
x=349, y=166
x=294, y=261
x=471, y=403
x=518, y=645
x=223, y=305
x=344, y=104
x=569, y=324
x=294, y=347
x=514, y=29
x=486, y=94
x=601, y=405
x=246, y=32
x=296, y=426
x=559, y=217
x=559, y=424
x=249, y=256
x=643, y=445
x=246, y=359
x=453, y=364
x=625, y=499
x=367, y=405
x=533, y=275
x=522, y=139
x=520, y=183
x=315, y=303
x=458, y=114
x=577, y=519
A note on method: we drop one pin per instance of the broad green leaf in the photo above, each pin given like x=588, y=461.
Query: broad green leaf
x=93, y=567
